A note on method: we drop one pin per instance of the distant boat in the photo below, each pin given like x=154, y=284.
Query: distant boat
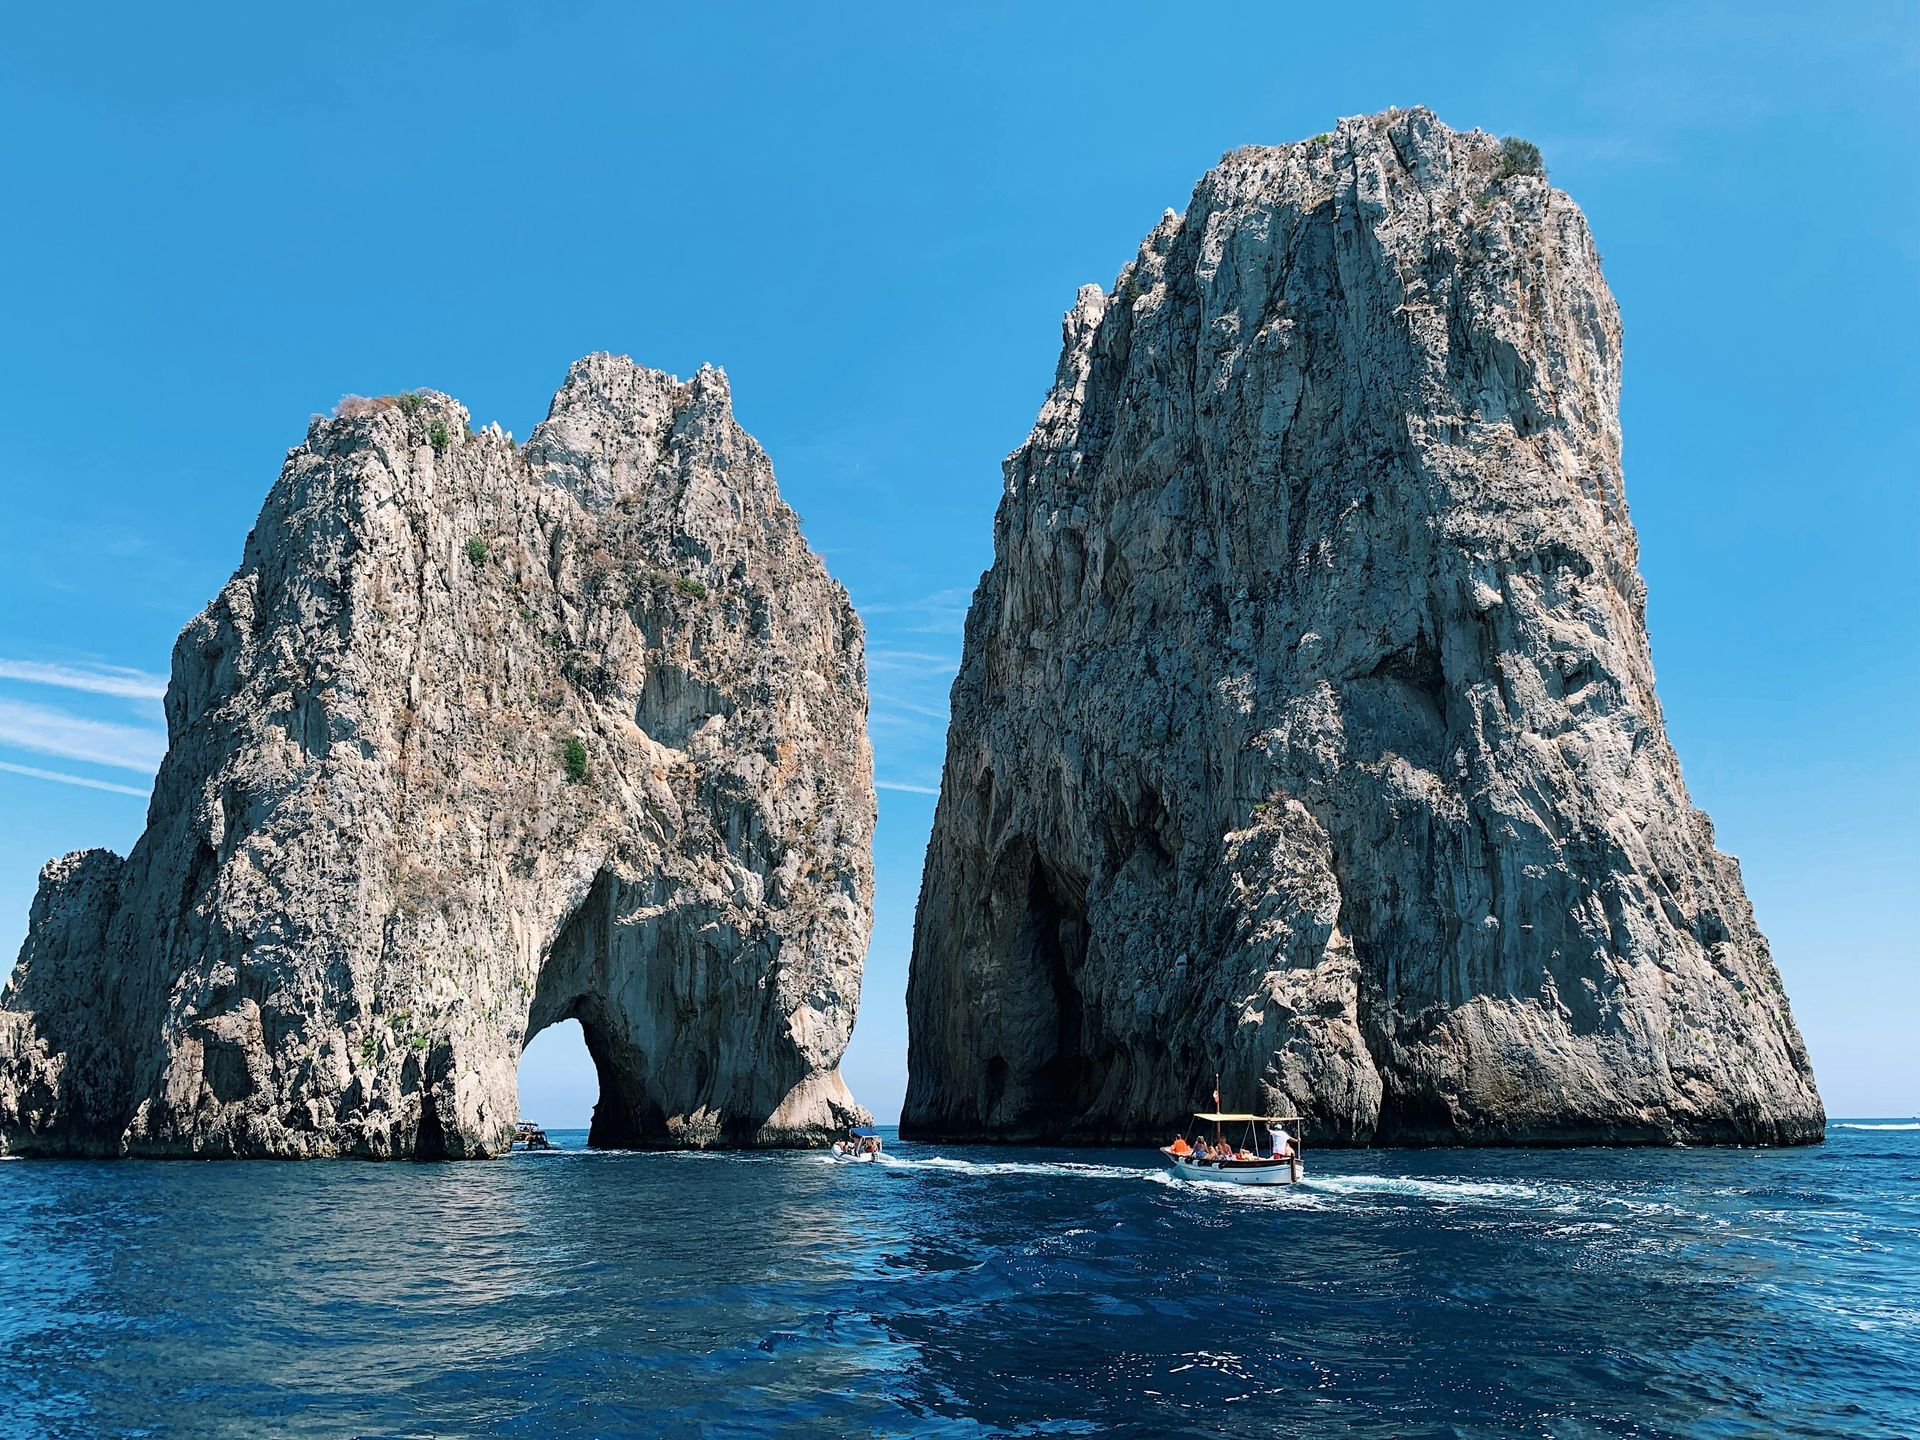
x=862, y=1144
x=529, y=1136
x=1254, y=1162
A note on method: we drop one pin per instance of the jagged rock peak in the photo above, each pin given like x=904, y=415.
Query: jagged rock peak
x=1305, y=730
x=479, y=738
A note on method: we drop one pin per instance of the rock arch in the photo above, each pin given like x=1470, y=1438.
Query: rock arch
x=479, y=736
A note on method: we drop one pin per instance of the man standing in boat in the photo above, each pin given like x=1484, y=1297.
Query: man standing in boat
x=1282, y=1141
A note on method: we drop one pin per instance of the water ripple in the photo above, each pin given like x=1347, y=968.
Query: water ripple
x=970, y=1293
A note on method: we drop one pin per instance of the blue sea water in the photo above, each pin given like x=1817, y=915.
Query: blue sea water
x=969, y=1292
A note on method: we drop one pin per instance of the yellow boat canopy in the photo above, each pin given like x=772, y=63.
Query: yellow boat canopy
x=1229, y=1119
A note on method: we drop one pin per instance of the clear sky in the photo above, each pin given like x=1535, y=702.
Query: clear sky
x=221, y=218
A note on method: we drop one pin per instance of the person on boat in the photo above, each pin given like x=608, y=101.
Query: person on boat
x=1223, y=1152
x=1180, y=1147
x=1282, y=1143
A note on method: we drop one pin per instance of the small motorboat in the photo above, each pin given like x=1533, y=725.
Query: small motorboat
x=529, y=1136
x=862, y=1144
x=1253, y=1162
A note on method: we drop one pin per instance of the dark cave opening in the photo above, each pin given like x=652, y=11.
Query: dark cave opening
x=418, y=1076
x=1052, y=942
x=225, y=1069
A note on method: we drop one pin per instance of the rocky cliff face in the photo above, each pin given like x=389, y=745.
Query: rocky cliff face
x=479, y=738
x=1306, y=728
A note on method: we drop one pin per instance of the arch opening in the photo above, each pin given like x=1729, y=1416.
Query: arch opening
x=578, y=1063
x=559, y=1083
x=575, y=996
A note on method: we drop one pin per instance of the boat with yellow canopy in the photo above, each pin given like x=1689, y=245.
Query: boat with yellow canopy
x=1252, y=1162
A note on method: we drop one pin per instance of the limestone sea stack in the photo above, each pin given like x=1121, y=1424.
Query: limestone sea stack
x=1306, y=729
x=478, y=738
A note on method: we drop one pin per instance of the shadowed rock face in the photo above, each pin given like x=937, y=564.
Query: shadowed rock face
x=1306, y=728
x=368, y=877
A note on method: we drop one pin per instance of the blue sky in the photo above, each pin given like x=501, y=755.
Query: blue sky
x=223, y=218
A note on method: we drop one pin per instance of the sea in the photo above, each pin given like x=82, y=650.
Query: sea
x=970, y=1292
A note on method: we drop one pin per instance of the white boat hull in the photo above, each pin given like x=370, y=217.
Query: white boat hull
x=1238, y=1172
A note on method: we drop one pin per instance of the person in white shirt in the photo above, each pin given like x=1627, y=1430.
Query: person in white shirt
x=1282, y=1142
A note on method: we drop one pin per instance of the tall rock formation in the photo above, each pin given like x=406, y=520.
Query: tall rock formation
x=1306, y=728
x=479, y=738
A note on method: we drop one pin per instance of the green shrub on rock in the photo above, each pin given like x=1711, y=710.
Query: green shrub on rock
x=1519, y=157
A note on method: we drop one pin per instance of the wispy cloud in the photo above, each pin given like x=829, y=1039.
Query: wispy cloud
x=49, y=731
x=913, y=652
x=912, y=662
x=63, y=778
x=95, y=679
x=894, y=702
x=944, y=612
x=906, y=788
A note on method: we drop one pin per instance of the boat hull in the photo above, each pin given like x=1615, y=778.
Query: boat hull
x=1238, y=1172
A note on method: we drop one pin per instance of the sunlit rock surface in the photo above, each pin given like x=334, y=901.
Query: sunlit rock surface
x=1306, y=730
x=479, y=738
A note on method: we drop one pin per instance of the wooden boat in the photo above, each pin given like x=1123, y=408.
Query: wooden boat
x=1263, y=1169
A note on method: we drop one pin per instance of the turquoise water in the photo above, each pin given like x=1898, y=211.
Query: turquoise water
x=969, y=1293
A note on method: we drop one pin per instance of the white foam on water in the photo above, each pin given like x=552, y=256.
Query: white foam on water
x=1856, y=1125
x=1312, y=1192
x=1065, y=1168
x=1445, y=1191
x=1286, y=1196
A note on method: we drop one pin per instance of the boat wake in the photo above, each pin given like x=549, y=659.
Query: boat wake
x=1485, y=1192
x=1858, y=1125
x=1313, y=1191
x=1068, y=1169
